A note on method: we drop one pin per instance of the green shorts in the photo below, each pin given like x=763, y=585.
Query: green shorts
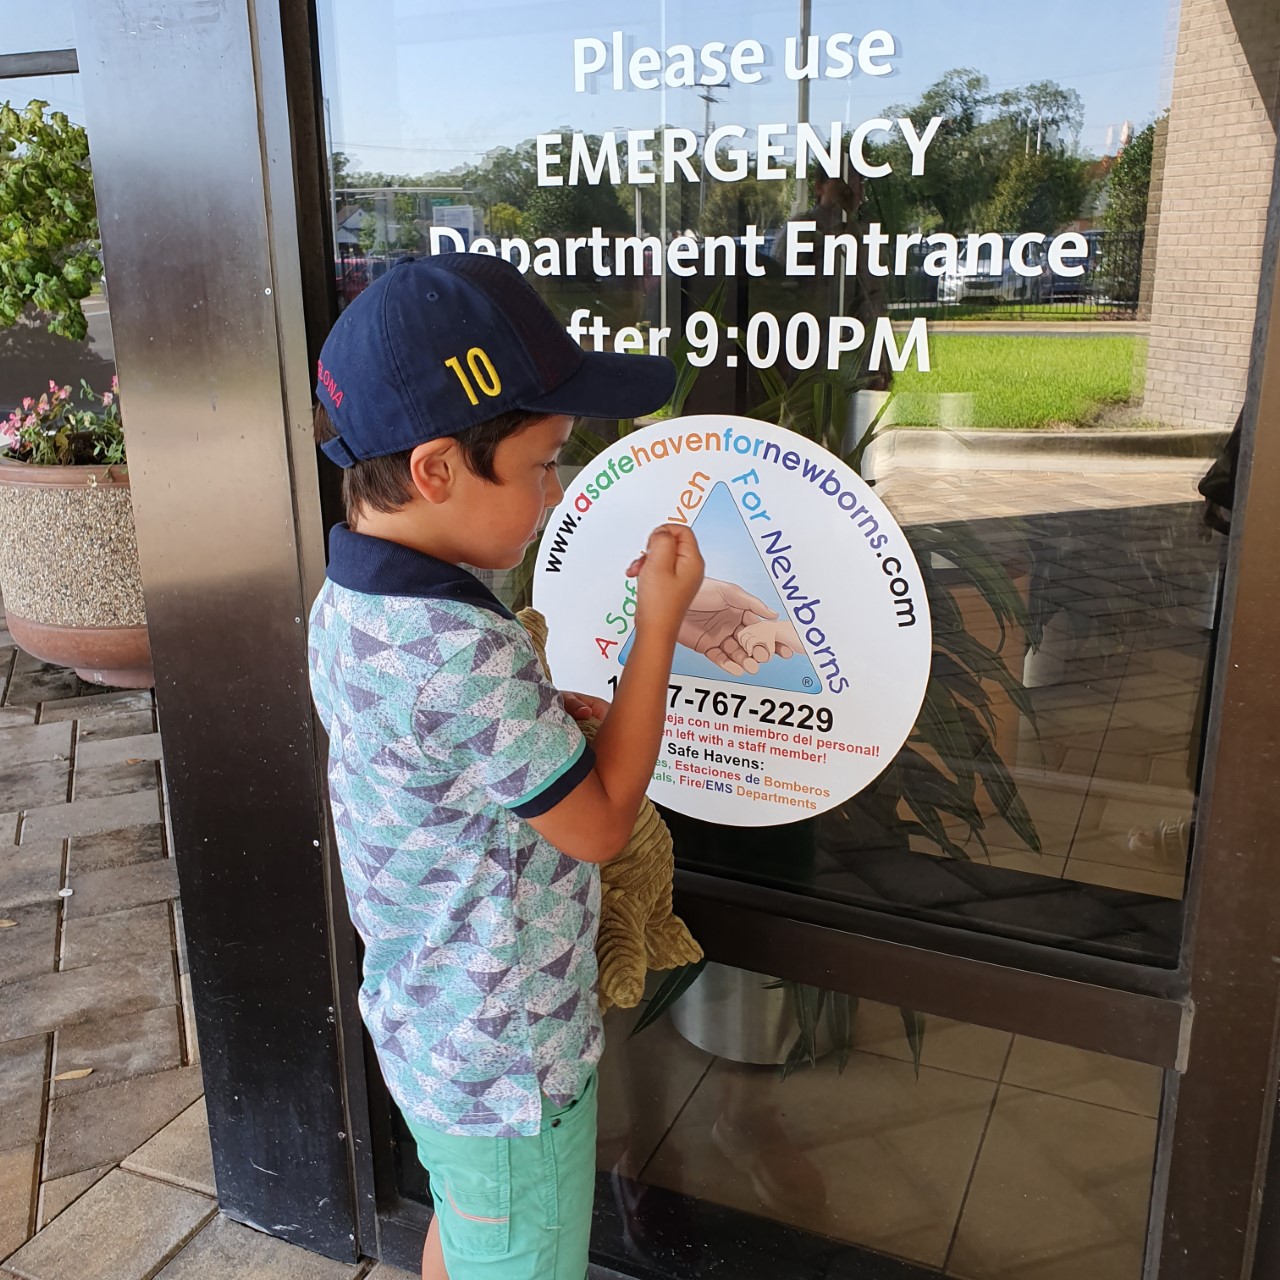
x=516, y=1208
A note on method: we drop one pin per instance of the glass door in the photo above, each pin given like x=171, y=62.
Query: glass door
x=943, y=1021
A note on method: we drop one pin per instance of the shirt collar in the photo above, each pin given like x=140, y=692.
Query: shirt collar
x=374, y=566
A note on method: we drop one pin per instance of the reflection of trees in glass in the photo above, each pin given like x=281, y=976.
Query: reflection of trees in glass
x=1002, y=161
x=397, y=224
x=562, y=211
x=505, y=175
x=1038, y=191
x=504, y=219
x=1125, y=218
x=1042, y=111
x=681, y=195
x=730, y=206
x=1129, y=183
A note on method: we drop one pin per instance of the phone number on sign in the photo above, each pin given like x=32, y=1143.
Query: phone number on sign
x=737, y=706
x=803, y=340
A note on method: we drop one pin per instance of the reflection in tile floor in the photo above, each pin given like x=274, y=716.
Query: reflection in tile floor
x=1004, y=1159
x=1125, y=580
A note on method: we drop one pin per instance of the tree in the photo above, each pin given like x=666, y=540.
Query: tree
x=731, y=206
x=506, y=175
x=504, y=220
x=48, y=219
x=1043, y=114
x=1129, y=184
x=566, y=210
x=394, y=225
x=973, y=152
x=560, y=211
x=1037, y=192
x=681, y=196
x=962, y=165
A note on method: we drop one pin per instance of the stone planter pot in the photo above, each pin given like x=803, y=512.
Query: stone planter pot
x=69, y=571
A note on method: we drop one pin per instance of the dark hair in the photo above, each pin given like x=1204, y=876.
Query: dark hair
x=383, y=484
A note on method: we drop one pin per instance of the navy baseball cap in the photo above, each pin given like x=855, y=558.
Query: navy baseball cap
x=441, y=344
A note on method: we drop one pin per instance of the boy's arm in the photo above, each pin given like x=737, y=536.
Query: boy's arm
x=593, y=821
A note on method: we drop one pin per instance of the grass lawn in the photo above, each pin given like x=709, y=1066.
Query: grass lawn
x=1020, y=382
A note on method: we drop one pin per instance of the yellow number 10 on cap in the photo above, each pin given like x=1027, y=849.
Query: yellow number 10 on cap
x=482, y=371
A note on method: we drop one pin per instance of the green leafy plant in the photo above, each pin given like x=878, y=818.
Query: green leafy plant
x=49, y=251
x=951, y=753
x=957, y=723
x=60, y=430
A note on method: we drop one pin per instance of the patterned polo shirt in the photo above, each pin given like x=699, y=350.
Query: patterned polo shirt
x=444, y=736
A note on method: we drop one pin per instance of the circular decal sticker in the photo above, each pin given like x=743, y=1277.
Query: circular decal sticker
x=802, y=662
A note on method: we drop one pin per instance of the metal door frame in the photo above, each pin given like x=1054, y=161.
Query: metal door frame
x=258, y=872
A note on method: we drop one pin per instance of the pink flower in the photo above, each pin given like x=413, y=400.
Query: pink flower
x=53, y=386
x=115, y=383
x=107, y=398
x=28, y=402
x=8, y=435
x=43, y=405
x=30, y=423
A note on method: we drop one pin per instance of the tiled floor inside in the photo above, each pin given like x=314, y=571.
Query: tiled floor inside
x=1003, y=1158
x=1126, y=586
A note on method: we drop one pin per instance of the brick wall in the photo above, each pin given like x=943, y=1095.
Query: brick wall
x=1151, y=238
x=1219, y=158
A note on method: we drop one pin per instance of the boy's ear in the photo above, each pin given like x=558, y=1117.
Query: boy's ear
x=433, y=468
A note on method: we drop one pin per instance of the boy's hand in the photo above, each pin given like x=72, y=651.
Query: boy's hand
x=582, y=706
x=669, y=575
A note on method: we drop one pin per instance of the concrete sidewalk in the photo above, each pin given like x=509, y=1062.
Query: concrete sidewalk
x=105, y=1169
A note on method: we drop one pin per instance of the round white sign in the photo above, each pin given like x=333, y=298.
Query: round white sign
x=802, y=662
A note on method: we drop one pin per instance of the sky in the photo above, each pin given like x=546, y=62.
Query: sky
x=31, y=29
x=418, y=85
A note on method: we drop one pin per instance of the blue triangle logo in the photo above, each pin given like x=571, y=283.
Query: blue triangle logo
x=731, y=556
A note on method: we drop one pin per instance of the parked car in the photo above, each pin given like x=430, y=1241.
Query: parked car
x=974, y=281
x=1064, y=288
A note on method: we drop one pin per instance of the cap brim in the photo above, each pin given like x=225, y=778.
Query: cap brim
x=611, y=386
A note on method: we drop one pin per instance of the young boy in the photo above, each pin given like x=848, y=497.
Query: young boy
x=470, y=811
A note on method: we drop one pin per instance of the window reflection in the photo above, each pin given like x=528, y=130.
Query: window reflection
x=1044, y=468
x=1085, y=252
x=956, y=1147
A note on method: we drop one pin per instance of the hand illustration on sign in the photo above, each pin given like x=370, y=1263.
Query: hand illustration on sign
x=721, y=613
x=769, y=637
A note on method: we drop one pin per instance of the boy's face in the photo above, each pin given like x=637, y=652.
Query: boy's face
x=499, y=521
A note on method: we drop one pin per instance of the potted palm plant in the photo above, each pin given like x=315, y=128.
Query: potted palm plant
x=952, y=773
x=68, y=555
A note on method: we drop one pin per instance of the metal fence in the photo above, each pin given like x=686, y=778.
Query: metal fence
x=1108, y=289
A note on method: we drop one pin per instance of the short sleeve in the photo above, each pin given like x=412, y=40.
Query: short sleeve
x=488, y=713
